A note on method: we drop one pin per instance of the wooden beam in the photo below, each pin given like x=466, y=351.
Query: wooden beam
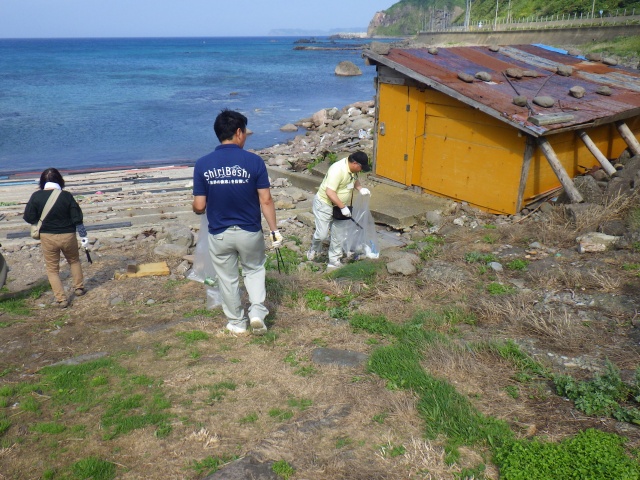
x=604, y=161
x=629, y=137
x=565, y=180
x=529, y=149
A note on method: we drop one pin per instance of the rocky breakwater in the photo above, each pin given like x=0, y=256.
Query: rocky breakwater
x=330, y=130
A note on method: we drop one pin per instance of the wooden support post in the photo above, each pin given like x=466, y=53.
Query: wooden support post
x=529, y=149
x=604, y=161
x=565, y=180
x=629, y=137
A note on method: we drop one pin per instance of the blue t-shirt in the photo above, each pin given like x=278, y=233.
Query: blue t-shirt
x=230, y=178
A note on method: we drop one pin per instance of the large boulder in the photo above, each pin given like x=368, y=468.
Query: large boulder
x=347, y=69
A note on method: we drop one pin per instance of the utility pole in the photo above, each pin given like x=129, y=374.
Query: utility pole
x=467, y=15
x=495, y=22
x=593, y=8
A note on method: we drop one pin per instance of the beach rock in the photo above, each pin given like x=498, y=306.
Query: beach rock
x=347, y=69
x=610, y=61
x=494, y=48
x=573, y=52
x=170, y=250
x=520, y=101
x=320, y=117
x=289, y=127
x=604, y=90
x=530, y=73
x=465, y=77
x=595, y=242
x=544, y=101
x=514, y=73
x=403, y=266
x=381, y=48
x=577, y=91
x=432, y=50
x=178, y=235
x=564, y=70
x=484, y=76
x=593, y=57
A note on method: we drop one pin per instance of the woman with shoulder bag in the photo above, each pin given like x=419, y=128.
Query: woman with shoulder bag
x=59, y=220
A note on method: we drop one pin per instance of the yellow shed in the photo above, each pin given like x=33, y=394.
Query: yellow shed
x=447, y=121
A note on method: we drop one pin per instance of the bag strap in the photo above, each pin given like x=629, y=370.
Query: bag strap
x=47, y=206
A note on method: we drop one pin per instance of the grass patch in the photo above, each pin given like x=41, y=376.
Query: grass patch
x=605, y=394
x=316, y=299
x=283, y=469
x=288, y=264
x=427, y=248
x=192, y=336
x=280, y=414
x=51, y=428
x=518, y=264
x=93, y=468
x=361, y=271
x=590, y=454
x=511, y=352
x=15, y=306
x=495, y=288
x=477, y=257
x=211, y=464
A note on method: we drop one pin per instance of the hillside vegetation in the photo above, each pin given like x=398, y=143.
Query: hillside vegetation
x=406, y=17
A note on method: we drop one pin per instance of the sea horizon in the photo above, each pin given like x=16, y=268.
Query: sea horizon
x=134, y=102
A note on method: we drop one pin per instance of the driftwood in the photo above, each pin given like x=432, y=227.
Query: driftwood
x=604, y=161
x=565, y=180
x=629, y=137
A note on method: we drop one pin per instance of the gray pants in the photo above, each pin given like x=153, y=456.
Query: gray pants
x=323, y=214
x=225, y=250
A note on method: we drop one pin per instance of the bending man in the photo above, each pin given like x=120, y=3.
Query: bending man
x=336, y=189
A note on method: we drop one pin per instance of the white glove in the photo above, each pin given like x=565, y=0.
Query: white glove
x=345, y=211
x=365, y=191
x=84, y=241
x=276, y=239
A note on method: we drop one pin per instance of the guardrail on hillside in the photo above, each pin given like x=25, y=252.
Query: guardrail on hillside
x=600, y=17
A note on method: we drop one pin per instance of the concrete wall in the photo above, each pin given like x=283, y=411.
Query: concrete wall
x=556, y=36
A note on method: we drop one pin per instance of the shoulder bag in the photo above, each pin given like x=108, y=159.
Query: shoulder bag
x=35, y=228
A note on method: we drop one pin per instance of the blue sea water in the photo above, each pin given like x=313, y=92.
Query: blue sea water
x=87, y=103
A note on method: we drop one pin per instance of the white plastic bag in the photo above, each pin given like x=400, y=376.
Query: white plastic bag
x=361, y=239
x=202, y=270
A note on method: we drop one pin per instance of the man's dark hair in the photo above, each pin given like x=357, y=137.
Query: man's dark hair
x=227, y=124
x=51, y=175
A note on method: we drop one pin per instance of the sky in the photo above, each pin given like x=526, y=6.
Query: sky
x=179, y=18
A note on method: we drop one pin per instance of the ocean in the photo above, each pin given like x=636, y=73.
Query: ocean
x=78, y=104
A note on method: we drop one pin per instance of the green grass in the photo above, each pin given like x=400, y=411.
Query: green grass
x=590, y=454
x=518, y=264
x=250, y=418
x=192, y=336
x=15, y=306
x=51, y=428
x=201, y=312
x=316, y=299
x=93, y=468
x=623, y=46
x=280, y=414
x=283, y=469
x=477, y=257
x=4, y=425
x=364, y=271
x=495, y=288
x=288, y=263
x=211, y=464
x=511, y=352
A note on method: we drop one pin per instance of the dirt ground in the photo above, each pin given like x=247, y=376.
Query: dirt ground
x=265, y=399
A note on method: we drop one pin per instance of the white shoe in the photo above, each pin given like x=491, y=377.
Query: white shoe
x=258, y=327
x=333, y=266
x=311, y=254
x=233, y=328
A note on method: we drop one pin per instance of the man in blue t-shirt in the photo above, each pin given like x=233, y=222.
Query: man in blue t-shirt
x=232, y=186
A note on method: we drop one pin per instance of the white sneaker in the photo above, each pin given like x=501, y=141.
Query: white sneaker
x=311, y=254
x=333, y=265
x=236, y=328
x=258, y=327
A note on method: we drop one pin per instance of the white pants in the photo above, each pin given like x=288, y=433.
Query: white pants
x=225, y=250
x=325, y=222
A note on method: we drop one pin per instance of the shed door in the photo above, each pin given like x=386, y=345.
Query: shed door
x=398, y=121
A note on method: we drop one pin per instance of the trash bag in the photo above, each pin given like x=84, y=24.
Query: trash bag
x=361, y=239
x=202, y=270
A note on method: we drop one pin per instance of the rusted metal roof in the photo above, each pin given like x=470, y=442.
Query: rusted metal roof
x=440, y=71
